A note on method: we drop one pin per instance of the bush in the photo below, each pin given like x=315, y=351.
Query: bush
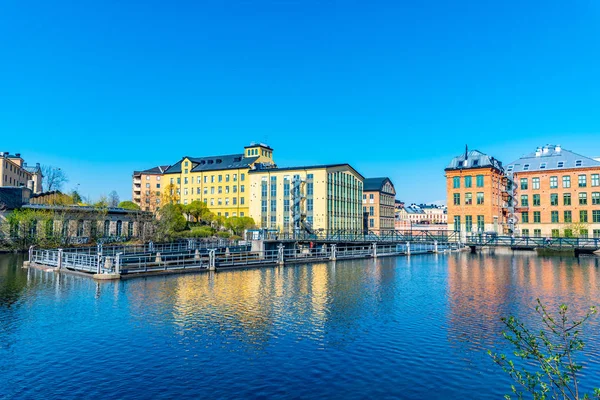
x=224, y=235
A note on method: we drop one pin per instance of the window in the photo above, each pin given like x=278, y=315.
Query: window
x=273, y=186
x=560, y=164
x=457, y=223
x=286, y=206
x=456, y=199
x=371, y=223
x=537, y=233
x=179, y=181
x=212, y=190
x=234, y=189
x=536, y=200
x=595, y=179
x=241, y=188
x=456, y=182
x=242, y=200
x=568, y=217
x=479, y=180
x=220, y=178
x=480, y=223
x=537, y=217
x=595, y=198
x=525, y=232
x=526, y=167
x=567, y=199
x=535, y=183
x=263, y=206
x=583, y=233
x=578, y=163
x=524, y=200
x=583, y=216
x=596, y=233
x=226, y=201
x=582, y=181
x=468, y=198
x=566, y=181
x=582, y=199
x=158, y=185
x=227, y=178
x=525, y=217
x=568, y=233
x=273, y=205
x=524, y=185
x=554, y=199
x=553, y=182
x=480, y=198
x=242, y=177
x=468, y=181
x=554, y=216
x=468, y=223
x=555, y=233
x=543, y=165
x=309, y=205
x=596, y=216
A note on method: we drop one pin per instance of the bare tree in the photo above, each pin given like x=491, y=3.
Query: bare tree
x=53, y=178
x=113, y=199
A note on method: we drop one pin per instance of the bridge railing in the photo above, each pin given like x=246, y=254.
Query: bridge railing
x=343, y=235
x=510, y=241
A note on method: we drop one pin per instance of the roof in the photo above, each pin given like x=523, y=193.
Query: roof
x=551, y=157
x=375, y=184
x=213, y=163
x=258, y=145
x=412, y=209
x=474, y=159
x=307, y=167
x=156, y=170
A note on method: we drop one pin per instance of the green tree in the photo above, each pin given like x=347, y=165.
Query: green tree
x=239, y=224
x=548, y=369
x=199, y=211
x=129, y=205
x=76, y=197
x=170, y=221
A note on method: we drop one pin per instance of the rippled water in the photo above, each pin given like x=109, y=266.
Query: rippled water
x=389, y=328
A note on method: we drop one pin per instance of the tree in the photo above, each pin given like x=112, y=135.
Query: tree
x=170, y=195
x=170, y=221
x=239, y=224
x=76, y=197
x=102, y=203
x=551, y=353
x=53, y=178
x=113, y=199
x=199, y=211
x=129, y=205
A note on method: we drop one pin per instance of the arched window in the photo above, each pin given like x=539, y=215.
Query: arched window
x=106, y=228
x=94, y=229
x=119, y=228
x=49, y=228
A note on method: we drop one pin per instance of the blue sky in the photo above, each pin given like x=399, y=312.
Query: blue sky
x=395, y=88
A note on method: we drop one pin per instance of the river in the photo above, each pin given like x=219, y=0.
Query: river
x=399, y=327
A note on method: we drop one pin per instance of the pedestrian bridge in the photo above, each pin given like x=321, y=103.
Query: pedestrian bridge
x=579, y=245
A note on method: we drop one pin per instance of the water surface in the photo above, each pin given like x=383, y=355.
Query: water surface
x=410, y=328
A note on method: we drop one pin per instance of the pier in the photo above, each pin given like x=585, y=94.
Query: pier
x=120, y=262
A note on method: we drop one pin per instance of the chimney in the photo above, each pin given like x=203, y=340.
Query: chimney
x=18, y=155
x=538, y=152
x=545, y=149
x=557, y=148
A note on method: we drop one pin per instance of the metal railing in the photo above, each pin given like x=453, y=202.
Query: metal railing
x=361, y=236
x=509, y=241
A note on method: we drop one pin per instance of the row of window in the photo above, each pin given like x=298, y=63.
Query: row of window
x=468, y=181
x=554, y=199
x=567, y=216
x=559, y=164
x=218, y=178
x=469, y=223
x=582, y=182
x=469, y=198
x=583, y=233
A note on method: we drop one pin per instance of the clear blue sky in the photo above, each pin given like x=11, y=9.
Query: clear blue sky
x=395, y=88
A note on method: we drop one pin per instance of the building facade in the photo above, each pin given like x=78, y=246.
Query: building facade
x=221, y=182
x=307, y=199
x=147, y=188
x=14, y=172
x=476, y=187
x=378, y=201
x=557, y=193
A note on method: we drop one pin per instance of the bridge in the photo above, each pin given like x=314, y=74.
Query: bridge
x=575, y=245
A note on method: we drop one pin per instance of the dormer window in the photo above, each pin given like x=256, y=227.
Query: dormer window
x=526, y=167
x=210, y=161
x=475, y=163
x=237, y=159
x=578, y=163
x=219, y=161
x=510, y=168
x=560, y=164
x=543, y=165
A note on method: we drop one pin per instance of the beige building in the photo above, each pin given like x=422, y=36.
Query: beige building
x=306, y=199
x=378, y=200
x=14, y=172
x=147, y=187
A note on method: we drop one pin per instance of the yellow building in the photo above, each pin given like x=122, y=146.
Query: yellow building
x=323, y=197
x=221, y=182
x=14, y=172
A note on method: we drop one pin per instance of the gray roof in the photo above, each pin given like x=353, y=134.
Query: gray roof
x=474, y=159
x=156, y=170
x=551, y=157
x=214, y=163
x=412, y=209
x=375, y=184
x=323, y=166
